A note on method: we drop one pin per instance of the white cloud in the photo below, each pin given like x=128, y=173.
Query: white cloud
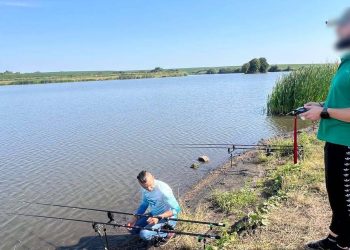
x=19, y=4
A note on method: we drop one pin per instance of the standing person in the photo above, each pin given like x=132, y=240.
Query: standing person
x=159, y=198
x=335, y=131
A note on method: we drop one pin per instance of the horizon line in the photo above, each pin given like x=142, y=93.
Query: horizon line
x=128, y=70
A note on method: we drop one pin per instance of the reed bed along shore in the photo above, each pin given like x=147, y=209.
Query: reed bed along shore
x=310, y=83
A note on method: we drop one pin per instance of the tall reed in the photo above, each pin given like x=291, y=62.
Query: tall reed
x=310, y=83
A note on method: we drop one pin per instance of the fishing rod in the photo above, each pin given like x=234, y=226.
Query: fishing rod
x=232, y=144
x=100, y=228
x=298, y=111
x=231, y=149
x=297, y=149
x=110, y=212
x=268, y=148
x=257, y=147
x=113, y=224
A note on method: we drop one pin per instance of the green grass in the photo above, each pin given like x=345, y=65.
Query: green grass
x=203, y=70
x=283, y=185
x=309, y=83
x=80, y=76
x=235, y=201
x=281, y=182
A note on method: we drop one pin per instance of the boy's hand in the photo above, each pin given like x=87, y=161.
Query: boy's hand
x=131, y=223
x=152, y=220
x=314, y=113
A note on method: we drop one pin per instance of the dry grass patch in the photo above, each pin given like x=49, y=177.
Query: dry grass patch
x=190, y=242
x=299, y=219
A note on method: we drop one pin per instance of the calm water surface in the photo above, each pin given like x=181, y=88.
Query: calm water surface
x=83, y=144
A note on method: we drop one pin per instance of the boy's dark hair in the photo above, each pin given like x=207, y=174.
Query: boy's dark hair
x=142, y=176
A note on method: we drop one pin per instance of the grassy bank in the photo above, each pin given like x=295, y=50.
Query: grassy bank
x=56, y=77
x=306, y=84
x=281, y=210
x=10, y=78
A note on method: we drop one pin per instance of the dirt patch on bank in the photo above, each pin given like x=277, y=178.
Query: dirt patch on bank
x=245, y=167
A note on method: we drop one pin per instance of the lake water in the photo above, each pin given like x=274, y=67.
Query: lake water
x=84, y=143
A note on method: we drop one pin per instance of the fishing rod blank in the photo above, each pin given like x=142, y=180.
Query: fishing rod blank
x=242, y=148
x=120, y=225
x=218, y=224
x=232, y=144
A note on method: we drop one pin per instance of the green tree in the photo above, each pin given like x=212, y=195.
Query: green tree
x=254, y=66
x=211, y=71
x=288, y=69
x=264, y=66
x=223, y=71
x=245, y=68
x=274, y=68
x=157, y=69
x=228, y=70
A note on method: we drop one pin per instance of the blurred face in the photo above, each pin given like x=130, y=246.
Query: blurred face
x=149, y=184
x=343, y=31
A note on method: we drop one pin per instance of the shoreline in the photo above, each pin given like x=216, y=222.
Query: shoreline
x=276, y=185
x=84, y=78
x=9, y=78
x=244, y=165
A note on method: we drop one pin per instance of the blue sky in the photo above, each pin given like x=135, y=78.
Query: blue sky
x=55, y=35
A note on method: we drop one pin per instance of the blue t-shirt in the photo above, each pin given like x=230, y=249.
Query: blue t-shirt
x=159, y=200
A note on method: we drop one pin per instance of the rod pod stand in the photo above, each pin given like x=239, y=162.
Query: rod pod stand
x=230, y=150
x=296, y=112
x=166, y=226
x=295, y=139
x=102, y=233
x=204, y=240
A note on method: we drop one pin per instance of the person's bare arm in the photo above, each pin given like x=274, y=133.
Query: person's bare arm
x=340, y=114
x=314, y=113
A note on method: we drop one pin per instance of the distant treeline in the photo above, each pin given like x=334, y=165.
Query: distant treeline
x=12, y=78
x=254, y=66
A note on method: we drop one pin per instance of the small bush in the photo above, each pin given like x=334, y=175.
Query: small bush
x=274, y=68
